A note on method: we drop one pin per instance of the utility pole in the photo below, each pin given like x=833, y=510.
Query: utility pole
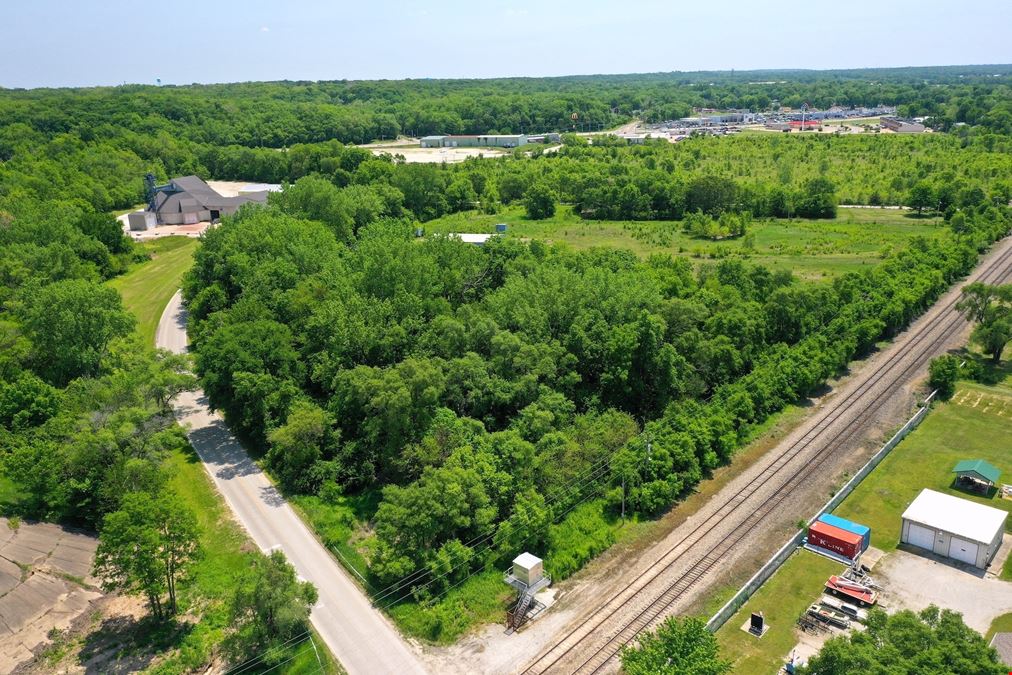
x=623, y=497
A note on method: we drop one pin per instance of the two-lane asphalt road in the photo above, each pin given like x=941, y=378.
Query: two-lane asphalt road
x=361, y=638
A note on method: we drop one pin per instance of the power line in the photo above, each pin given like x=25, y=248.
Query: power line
x=482, y=537
x=598, y=473
x=601, y=472
x=248, y=663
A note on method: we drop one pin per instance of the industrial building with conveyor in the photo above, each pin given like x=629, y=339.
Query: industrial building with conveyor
x=188, y=200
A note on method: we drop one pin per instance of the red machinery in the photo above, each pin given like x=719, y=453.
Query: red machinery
x=853, y=590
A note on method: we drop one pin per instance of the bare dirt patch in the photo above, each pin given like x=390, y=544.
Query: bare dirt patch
x=414, y=154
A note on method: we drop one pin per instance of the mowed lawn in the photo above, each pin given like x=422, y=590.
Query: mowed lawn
x=812, y=249
x=975, y=424
x=148, y=286
x=782, y=599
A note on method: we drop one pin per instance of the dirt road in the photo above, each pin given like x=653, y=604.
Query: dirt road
x=359, y=636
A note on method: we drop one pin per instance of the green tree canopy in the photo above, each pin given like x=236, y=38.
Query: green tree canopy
x=146, y=547
x=931, y=642
x=270, y=604
x=70, y=324
x=677, y=647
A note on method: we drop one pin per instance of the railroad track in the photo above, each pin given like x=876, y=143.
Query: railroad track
x=918, y=350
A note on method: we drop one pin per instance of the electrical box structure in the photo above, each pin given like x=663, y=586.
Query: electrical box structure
x=527, y=577
x=528, y=568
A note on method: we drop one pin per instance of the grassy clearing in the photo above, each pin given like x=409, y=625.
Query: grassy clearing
x=782, y=599
x=149, y=286
x=1001, y=624
x=955, y=430
x=341, y=526
x=11, y=496
x=810, y=248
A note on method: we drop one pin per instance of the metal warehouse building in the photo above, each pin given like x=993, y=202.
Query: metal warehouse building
x=473, y=141
x=954, y=528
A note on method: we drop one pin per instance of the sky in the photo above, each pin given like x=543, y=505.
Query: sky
x=49, y=43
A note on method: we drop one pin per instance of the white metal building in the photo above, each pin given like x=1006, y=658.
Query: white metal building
x=955, y=528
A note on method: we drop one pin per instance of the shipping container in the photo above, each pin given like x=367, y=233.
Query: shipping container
x=862, y=530
x=834, y=539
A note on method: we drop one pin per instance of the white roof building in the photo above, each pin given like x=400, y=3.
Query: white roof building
x=954, y=528
x=259, y=187
x=471, y=238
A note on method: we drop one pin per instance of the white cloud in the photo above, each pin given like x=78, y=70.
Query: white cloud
x=265, y=29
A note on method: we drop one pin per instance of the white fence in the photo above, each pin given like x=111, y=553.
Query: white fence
x=778, y=559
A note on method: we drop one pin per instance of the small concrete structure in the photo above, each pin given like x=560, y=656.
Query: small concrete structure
x=954, y=528
x=527, y=577
x=528, y=568
x=140, y=221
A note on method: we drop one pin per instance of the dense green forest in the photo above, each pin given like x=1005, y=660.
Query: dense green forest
x=447, y=404
x=94, y=145
x=490, y=388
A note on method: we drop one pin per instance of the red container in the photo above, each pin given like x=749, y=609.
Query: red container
x=835, y=539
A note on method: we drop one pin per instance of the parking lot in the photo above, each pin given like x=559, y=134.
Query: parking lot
x=916, y=579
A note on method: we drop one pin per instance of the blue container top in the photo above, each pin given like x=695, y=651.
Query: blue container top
x=844, y=524
x=501, y=227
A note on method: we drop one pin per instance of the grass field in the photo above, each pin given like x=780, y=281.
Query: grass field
x=810, y=248
x=1002, y=624
x=975, y=424
x=148, y=286
x=782, y=599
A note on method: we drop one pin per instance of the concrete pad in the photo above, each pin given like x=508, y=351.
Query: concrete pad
x=6, y=533
x=15, y=552
x=912, y=581
x=37, y=538
x=77, y=568
x=8, y=582
x=998, y=562
x=78, y=543
x=66, y=551
x=10, y=576
x=45, y=600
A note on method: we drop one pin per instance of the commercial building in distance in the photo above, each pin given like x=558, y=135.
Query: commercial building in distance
x=954, y=528
x=901, y=126
x=475, y=141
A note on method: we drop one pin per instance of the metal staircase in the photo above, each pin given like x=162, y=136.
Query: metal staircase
x=525, y=599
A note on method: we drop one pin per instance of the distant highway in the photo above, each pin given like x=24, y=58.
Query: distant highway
x=358, y=635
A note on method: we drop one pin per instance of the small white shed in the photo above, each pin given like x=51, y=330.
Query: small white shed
x=528, y=568
x=954, y=528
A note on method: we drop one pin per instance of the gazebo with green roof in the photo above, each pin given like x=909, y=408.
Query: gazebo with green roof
x=978, y=471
